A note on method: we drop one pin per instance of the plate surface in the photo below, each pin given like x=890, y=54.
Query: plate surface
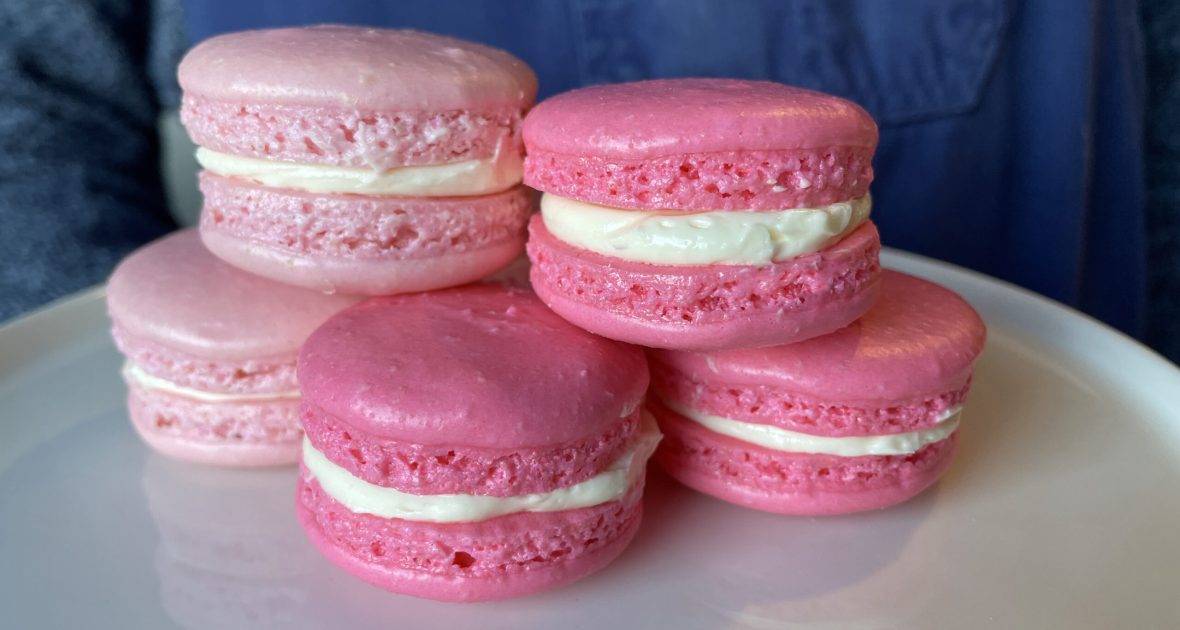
x=1061, y=510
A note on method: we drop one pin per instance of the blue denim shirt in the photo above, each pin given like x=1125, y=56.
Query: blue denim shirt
x=1011, y=132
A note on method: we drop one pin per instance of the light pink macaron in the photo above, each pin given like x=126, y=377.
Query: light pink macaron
x=469, y=444
x=211, y=353
x=361, y=160
x=859, y=419
x=703, y=214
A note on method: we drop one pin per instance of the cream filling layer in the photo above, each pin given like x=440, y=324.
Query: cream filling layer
x=363, y=497
x=729, y=237
x=136, y=374
x=470, y=177
x=779, y=439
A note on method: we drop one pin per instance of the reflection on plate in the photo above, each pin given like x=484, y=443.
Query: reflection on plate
x=229, y=551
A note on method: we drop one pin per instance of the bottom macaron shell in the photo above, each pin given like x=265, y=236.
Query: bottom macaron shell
x=362, y=275
x=500, y=558
x=793, y=483
x=241, y=434
x=465, y=470
x=374, y=245
x=707, y=307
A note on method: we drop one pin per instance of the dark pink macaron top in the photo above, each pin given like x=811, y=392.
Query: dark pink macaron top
x=480, y=366
x=176, y=294
x=356, y=68
x=920, y=339
x=648, y=119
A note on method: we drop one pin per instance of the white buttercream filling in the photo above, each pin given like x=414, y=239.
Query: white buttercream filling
x=363, y=497
x=470, y=177
x=136, y=374
x=780, y=439
x=729, y=237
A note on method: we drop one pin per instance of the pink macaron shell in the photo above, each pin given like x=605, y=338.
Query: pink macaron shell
x=249, y=376
x=730, y=180
x=348, y=138
x=360, y=97
x=372, y=245
x=707, y=307
x=362, y=227
x=174, y=294
x=509, y=556
x=650, y=119
x=793, y=483
x=356, y=67
x=775, y=406
x=362, y=276
x=482, y=366
x=919, y=341
x=698, y=144
x=224, y=433
x=459, y=469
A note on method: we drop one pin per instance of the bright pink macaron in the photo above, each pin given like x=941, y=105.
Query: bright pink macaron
x=863, y=418
x=356, y=159
x=469, y=444
x=701, y=214
x=211, y=353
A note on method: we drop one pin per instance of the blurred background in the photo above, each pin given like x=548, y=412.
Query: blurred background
x=1037, y=141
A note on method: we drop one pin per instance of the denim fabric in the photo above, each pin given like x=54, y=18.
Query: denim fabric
x=1011, y=132
x=1162, y=34
x=79, y=181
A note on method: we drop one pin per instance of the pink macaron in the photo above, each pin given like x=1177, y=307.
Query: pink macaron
x=469, y=444
x=702, y=214
x=359, y=160
x=211, y=353
x=860, y=419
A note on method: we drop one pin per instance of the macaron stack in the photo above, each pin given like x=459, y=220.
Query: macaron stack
x=389, y=162
x=724, y=224
x=480, y=442
x=358, y=160
x=456, y=444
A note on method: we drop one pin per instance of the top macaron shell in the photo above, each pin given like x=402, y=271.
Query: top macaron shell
x=175, y=294
x=361, y=97
x=696, y=144
x=357, y=68
x=486, y=367
x=920, y=340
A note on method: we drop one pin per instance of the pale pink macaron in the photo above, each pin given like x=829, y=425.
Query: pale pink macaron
x=469, y=444
x=703, y=213
x=860, y=419
x=355, y=159
x=211, y=352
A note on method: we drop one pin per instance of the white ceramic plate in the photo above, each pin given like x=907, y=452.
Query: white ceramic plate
x=1062, y=510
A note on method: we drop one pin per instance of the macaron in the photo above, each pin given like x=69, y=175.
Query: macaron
x=702, y=214
x=359, y=160
x=211, y=352
x=860, y=419
x=469, y=444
